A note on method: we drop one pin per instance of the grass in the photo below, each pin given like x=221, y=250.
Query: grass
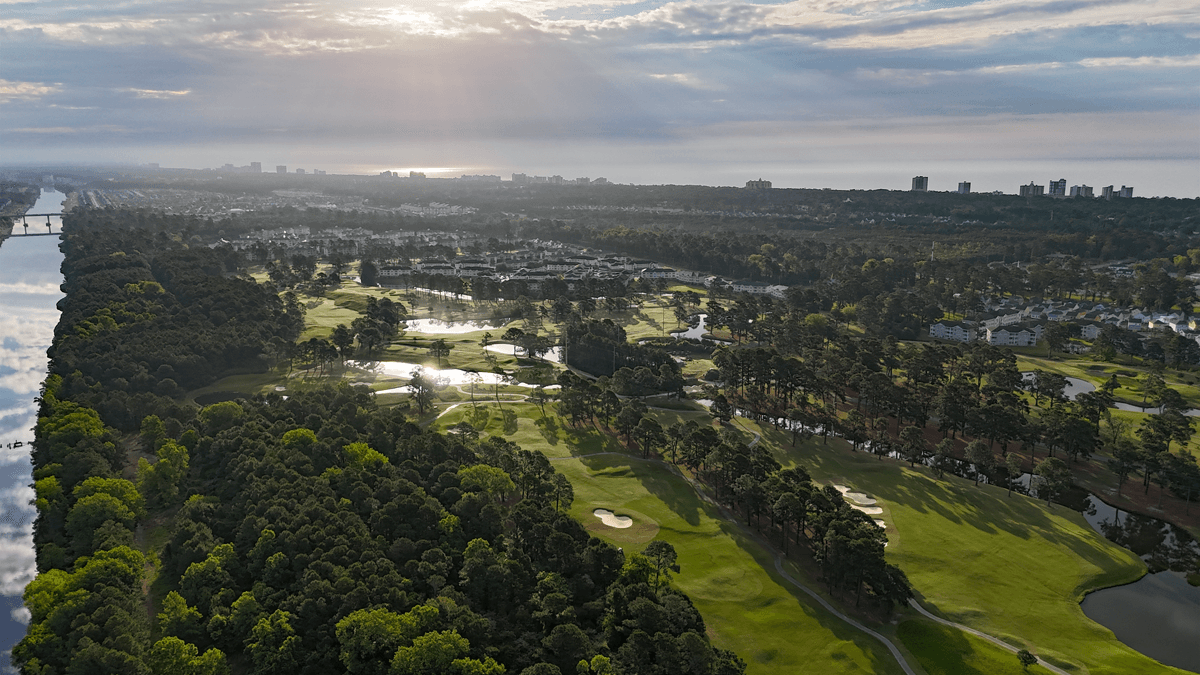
x=1009, y=566
x=730, y=578
x=942, y=650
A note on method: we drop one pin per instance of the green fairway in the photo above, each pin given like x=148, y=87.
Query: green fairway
x=1009, y=566
x=942, y=650
x=731, y=579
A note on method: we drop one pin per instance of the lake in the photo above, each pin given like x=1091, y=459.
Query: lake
x=1159, y=614
x=29, y=291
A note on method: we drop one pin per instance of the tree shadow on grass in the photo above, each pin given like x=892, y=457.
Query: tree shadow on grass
x=881, y=660
x=548, y=428
x=955, y=499
x=658, y=480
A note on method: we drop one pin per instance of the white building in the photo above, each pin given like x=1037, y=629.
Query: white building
x=956, y=331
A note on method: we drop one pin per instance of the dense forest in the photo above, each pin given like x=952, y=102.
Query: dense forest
x=315, y=533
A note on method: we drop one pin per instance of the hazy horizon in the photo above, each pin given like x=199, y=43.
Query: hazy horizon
x=837, y=93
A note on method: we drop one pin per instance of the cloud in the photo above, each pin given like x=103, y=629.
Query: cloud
x=24, y=91
x=158, y=93
x=170, y=73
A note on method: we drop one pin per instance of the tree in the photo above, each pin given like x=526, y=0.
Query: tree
x=650, y=433
x=1056, y=336
x=979, y=454
x=1123, y=461
x=1012, y=466
x=439, y=350
x=1053, y=478
x=273, y=645
x=663, y=556
x=173, y=656
x=1026, y=658
x=912, y=439
x=493, y=481
x=368, y=273
x=422, y=391
x=178, y=619
x=430, y=654
x=369, y=639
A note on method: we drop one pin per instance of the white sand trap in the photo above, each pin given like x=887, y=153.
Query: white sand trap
x=869, y=510
x=882, y=525
x=613, y=520
x=856, y=497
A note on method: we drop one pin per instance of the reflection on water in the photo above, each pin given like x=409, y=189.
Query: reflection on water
x=1162, y=545
x=1158, y=615
x=1128, y=407
x=1075, y=386
x=446, y=327
x=554, y=355
x=29, y=291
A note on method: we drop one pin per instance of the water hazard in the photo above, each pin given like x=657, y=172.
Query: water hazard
x=29, y=292
x=1158, y=615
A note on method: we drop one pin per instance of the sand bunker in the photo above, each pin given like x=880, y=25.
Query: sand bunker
x=613, y=520
x=869, y=510
x=882, y=525
x=856, y=497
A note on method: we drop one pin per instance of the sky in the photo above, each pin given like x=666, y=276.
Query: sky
x=820, y=93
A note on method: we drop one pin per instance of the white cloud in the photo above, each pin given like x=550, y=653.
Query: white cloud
x=158, y=93
x=25, y=91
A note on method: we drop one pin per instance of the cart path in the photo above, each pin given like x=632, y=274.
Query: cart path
x=980, y=634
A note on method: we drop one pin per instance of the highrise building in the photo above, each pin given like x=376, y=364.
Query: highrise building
x=282, y=168
x=1126, y=192
x=300, y=171
x=920, y=184
x=964, y=188
x=759, y=184
x=1081, y=191
x=1032, y=190
x=1058, y=188
x=255, y=167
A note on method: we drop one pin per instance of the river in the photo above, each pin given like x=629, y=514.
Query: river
x=29, y=293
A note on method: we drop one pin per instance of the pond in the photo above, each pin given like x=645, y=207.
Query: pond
x=1159, y=614
x=29, y=291
x=695, y=332
x=439, y=376
x=1075, y=386
x=446, y=327
x=1129, y=407
x=553, y=356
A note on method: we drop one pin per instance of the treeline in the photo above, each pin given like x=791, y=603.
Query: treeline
x=883, y=395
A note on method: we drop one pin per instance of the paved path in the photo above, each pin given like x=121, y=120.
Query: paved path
x=996, y=641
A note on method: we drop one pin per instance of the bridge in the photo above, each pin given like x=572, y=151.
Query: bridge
x=25, y=224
